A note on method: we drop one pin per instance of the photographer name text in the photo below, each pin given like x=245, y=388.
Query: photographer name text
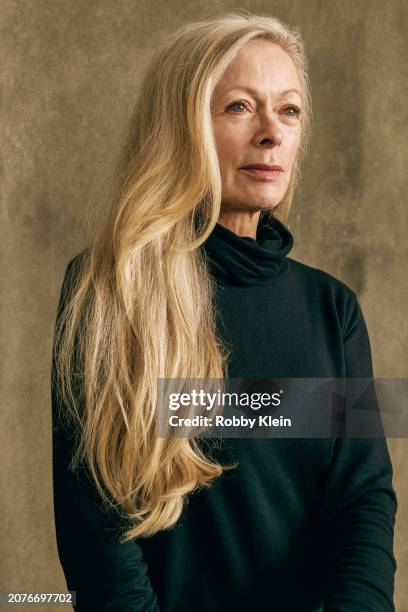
x=234, y=421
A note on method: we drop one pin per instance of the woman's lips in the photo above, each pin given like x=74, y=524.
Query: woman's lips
x=263, y=174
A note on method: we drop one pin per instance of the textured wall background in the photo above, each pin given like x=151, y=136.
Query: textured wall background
x=70, y=71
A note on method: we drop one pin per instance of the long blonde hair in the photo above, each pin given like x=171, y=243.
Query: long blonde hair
x=139, y=306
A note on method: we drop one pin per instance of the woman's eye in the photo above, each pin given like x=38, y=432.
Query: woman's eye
x=235, y=104
x=295, y=109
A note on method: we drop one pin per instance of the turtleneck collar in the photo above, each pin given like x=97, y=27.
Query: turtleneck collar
x=241, y=260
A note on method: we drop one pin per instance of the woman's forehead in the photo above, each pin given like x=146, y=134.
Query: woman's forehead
x=259, y=67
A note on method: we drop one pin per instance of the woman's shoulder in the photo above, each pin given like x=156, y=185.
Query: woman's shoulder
x=78, y=260
x=318, y=279
x=71, y=275
x=323, y=292
x=73, y=267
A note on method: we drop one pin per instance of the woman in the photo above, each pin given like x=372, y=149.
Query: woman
x=188, y=276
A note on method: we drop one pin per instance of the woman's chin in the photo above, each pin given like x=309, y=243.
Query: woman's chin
x=265, y=198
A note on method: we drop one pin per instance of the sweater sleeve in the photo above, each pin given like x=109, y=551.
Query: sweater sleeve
x=360, y=502
x=105, y=573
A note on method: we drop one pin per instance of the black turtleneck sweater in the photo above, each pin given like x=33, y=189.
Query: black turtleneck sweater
x=301, y=525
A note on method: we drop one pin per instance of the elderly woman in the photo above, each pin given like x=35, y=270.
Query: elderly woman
x=188, y=276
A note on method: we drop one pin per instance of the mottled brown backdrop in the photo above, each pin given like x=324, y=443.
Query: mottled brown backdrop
x=70, y=71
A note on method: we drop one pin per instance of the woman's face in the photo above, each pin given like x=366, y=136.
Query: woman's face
x=256, y=112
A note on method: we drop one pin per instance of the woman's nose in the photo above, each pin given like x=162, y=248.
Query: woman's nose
x=271, y=132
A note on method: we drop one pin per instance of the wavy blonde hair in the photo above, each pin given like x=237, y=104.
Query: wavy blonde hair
x=139, y=305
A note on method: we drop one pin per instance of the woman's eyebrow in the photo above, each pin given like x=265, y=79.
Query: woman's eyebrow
x=255, y=92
